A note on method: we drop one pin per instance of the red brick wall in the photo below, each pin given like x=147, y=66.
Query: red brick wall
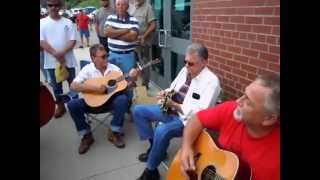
x=242, y=36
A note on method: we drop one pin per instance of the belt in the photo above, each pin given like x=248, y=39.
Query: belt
x=122, y=52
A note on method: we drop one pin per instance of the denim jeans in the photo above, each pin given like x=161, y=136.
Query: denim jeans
x=125, y=62
x=44, y=72
x=172, y=126
x=118, y=104
x=57, y=87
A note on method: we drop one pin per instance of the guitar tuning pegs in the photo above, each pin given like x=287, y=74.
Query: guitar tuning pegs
x=139, y=66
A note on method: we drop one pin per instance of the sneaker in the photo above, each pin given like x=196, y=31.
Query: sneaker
x=85, y=144
x=116, y=139
x=80, y=46
x=149, y=175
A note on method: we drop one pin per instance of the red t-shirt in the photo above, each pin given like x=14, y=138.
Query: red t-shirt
x=261, y=154
x=83, y=21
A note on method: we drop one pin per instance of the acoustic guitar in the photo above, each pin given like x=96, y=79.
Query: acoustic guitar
x=113, y=79
x=211, y=163
x=47, y=105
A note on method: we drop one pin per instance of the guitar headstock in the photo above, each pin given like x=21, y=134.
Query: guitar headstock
x=155, y=61
x=152, y=62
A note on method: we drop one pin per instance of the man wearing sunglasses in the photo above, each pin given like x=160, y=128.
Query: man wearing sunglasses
x=118, y=103
x=57, y=38
x=196, y=88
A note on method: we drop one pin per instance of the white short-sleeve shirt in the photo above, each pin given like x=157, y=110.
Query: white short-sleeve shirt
x=57, y=33
x=90, y=71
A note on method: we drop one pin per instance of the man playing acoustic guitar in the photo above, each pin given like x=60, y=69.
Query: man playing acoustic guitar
x=249, y=127
x=118, y=103
x=196, y=88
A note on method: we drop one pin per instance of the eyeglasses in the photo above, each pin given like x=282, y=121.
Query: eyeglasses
x=53, y=5
x=188, y=63
x=103, y=56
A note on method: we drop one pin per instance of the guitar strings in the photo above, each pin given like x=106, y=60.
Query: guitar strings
x=214, y=174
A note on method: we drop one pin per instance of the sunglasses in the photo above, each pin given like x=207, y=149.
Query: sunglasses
x=188, y=63
x=103, y=56
x=53, y=5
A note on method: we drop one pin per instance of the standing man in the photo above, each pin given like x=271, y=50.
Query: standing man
x=249, y=127
x=44, y=72
x=122, y=31
x=57, y=38
x=197, y=88
x=147, y=25
x=100, y=19
x=83, y=27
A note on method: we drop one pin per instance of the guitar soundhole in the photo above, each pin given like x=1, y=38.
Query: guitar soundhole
x=209, y=173
x=112, y=83
x=192, y=175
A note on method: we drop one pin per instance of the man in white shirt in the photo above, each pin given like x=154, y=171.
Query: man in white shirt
x=118, y=103
x=196, y=88
x=57, y=38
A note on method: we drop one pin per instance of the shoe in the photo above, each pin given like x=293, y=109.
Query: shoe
x=85, y=144
x=149, y=175
x=116, y=139
x=144, y=156
x=60, y=110
x=80, y=46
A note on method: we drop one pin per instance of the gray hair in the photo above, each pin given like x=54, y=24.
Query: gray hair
x=198, y=49
x=126, y=1
x=272, y=81
x=94, y=48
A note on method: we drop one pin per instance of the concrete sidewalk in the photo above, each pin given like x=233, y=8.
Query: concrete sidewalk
x=59, y=141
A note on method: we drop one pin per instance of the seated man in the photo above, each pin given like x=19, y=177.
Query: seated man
x=249, y=127
x=118, y=102
x=197, y=88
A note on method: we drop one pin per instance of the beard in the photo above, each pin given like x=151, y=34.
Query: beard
x=237, y=115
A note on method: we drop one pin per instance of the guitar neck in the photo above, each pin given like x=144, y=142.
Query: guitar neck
x=155, y=61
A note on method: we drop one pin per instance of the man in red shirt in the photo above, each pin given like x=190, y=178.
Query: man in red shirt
x=249, y=127
x=83, y=26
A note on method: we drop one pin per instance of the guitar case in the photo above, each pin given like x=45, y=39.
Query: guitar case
x=47, y=105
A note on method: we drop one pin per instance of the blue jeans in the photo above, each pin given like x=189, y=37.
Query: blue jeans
x=172, y=126
x=57, y=87
x=44, y=72
x=125, y=62
x=118, y=104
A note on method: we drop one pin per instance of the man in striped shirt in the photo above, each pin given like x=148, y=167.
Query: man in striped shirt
x=122, y=31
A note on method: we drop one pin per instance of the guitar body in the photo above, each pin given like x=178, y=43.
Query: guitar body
x=47, y=105
x=96, y=99
x=210, y=161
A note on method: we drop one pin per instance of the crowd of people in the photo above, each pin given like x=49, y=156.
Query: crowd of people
x=248, y=126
